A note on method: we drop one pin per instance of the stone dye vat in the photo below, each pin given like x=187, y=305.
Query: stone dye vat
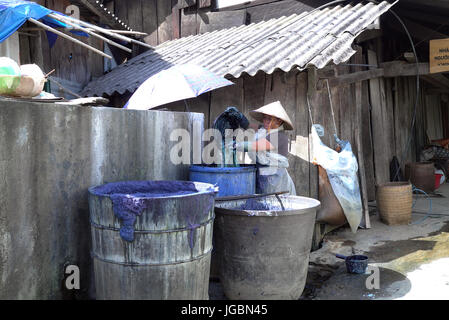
x=152, y=239
x=50, y=154
x=263, y=250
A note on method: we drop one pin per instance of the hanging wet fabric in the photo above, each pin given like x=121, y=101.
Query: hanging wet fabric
x=341, y=168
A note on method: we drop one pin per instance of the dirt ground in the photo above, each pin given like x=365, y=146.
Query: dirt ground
x=413, y=260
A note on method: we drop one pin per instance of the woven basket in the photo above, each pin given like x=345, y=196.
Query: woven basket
x=394, y=202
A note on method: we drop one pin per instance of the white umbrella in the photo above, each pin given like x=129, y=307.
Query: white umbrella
x=176, y=83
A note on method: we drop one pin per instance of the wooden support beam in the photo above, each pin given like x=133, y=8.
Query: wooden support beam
x=387, y=69
x=430, y=91
x=438, y=80
x=381, y=125
x=327, y=72
x=353, y=77
x=418, y=31
x=443, y=4
x=103, y=14
x=422, y=16
x=368, y=34
x=366, y=223
x=403, y=69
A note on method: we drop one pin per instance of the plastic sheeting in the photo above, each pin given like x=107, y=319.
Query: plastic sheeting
x=341, y=168
x=14, y=13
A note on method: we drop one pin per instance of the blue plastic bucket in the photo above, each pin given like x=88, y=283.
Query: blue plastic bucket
x=231, y=181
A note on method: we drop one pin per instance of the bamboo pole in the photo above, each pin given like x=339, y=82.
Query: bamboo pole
x=106, y=31
x=68, y=37
x=89, y=31
x=129, y=32
x=64, y=88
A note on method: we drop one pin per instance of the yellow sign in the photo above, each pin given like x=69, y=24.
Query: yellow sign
x=439, y=55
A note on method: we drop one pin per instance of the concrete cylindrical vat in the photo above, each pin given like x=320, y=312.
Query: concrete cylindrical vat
x=230, y=181
x=152, y=239
x=264, y=249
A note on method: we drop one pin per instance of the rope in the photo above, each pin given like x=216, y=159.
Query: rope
x=310, y=111
x=332, y=108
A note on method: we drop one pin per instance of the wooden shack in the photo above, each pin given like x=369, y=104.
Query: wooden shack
x=374, y=93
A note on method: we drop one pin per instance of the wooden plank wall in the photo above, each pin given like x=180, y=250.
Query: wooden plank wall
x=291, y=89
x=70, y=61
x=434, y=116
x=163, y=20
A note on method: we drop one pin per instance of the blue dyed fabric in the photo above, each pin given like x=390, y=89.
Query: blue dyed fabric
x=14, y=13
x=127, y=208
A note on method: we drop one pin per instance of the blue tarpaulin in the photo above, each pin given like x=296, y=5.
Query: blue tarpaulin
x=14, y=13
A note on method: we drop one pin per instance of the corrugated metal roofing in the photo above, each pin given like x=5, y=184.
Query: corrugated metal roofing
x=316, y=38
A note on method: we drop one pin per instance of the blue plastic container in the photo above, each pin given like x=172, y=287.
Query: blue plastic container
x=231, y=181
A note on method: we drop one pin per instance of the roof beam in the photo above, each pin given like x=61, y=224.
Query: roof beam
x=424, y=17
x=418, y=31
x=403, y=69
x=434, y=3
x=103, y=14
x=438, y=80
x=368, y=34
x=387, y=69
x=239, y=4
x=354, y=77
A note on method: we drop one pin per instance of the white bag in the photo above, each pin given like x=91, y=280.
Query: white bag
x=341, y=169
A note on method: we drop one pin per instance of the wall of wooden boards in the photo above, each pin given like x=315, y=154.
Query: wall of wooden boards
x=357, y=109
x=70, y=61
x=163, y=20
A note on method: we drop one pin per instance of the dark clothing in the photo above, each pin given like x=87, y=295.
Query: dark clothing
x=280, y=144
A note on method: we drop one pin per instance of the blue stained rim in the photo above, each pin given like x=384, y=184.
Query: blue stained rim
x=201, y=188
x=246, y=168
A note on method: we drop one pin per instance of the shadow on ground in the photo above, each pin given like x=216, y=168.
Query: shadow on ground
x=348, y=286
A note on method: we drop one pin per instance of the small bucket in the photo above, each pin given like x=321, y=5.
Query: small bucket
x=355, y=263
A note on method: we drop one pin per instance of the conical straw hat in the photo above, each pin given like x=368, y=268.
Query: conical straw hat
x=274, y=109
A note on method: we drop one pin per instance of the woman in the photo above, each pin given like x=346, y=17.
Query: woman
x=270, y=149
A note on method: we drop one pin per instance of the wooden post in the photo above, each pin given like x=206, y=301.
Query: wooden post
x=366, y=223
x=312, y=96
x=381, y=124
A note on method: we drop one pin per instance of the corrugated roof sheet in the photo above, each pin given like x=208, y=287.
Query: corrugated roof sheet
x=315, y=38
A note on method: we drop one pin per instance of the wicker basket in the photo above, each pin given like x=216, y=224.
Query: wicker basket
x=394, y=202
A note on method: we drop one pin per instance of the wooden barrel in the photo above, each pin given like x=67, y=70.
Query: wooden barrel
x=394, y=202
x=421, y=175
x=169, y=255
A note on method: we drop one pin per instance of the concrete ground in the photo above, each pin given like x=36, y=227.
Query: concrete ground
x=413, y=260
